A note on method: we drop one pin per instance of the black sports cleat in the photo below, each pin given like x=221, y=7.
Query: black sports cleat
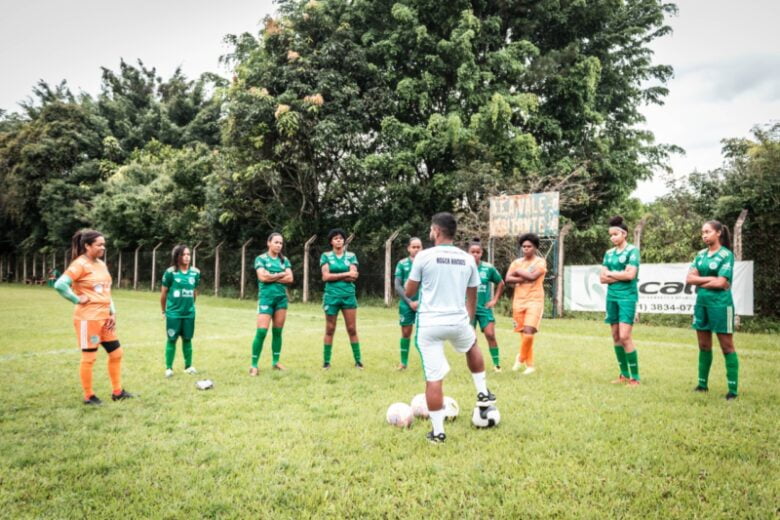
x=359, y=365
x=122, y=395
x=435, y=439
x=326, y=366
x=93, y=401
x=485, y=400
x=730, y=396
x=700, y=388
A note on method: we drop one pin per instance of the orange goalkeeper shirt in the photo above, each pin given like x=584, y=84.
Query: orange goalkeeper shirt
x=533, y=292
x=93, y=280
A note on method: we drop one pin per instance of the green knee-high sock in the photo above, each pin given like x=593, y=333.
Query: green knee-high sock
x=732, y=372
x=257, y=346
x=494, y=355
x=356, y=351
x=405, y=350
x=186, y=348
x=170, y=353
x=705, y=362
x=327, y=352
x=276, y=344
x=620, y=354
x=632, y=359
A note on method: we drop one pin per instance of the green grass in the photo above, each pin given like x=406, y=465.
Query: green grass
x=310, y=444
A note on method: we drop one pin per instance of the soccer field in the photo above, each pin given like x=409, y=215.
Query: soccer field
x=308, y=443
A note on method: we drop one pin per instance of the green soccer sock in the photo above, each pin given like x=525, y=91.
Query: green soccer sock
x=170, y=353
x=186, y=348
x=356, y=351
x=257, y=346
x=327, y=352
x=632, y=359
x=620, y=354
x=705, y=362
x=276, y=344
x=405, y=350
x=494, y=356
x=732, y=372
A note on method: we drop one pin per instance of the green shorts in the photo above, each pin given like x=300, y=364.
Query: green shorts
x=484, y=317
x=620, y=312
x=333, y=304
x=406, y=316
x=271, y=304
x=184, y=327
x=719, y=320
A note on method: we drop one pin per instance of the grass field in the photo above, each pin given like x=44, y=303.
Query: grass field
x=304, y=443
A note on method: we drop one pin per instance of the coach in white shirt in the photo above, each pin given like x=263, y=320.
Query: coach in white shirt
x=447, y=279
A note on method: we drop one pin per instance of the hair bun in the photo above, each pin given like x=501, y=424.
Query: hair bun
x=616, y=221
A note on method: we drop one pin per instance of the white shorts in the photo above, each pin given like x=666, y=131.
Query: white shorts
x=430, y=342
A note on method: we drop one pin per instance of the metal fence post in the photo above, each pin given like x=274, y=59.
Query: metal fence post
x=119, y=270
x=34, y=266
x=216, y=268
x=24, y=267
x=558, y=300
x=194, y=252
x=306, y=255
x=640, y=227
x=64, y=260
x=738, y=247
x=389, y=267
x=135, y=268
x=243, y=268
x=154, y=265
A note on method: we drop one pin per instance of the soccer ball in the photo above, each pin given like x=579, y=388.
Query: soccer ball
x=204, y=384
x=451, y=408
x=400, y=414
x=485, y=417
x=420, y=406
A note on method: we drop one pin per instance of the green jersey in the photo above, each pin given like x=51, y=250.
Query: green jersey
x=487, y=275
x=339, y=264
x=719, y=263
x=615, y=260
x=402, y=270
x=180, y=302
x=272, y=266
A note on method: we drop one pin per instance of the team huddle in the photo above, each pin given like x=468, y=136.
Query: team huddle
x=444, y=292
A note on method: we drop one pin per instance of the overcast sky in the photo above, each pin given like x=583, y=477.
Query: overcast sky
x=726, y=56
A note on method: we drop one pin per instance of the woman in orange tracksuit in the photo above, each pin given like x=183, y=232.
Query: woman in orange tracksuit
x=87, y=284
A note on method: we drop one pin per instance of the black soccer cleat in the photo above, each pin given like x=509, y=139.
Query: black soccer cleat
x=700, y=388
x=485, y=400
x=359, y=365
x=435, y=439
x=93, y=401
x=731, y=396
x=326, y=366
x=122, y=395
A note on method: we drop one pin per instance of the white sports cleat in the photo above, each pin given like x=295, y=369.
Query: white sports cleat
x=191, y=371
x=529, y=370
x=518, y=365
x=168, y=372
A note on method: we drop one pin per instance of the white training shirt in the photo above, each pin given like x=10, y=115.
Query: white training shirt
x=444, y=273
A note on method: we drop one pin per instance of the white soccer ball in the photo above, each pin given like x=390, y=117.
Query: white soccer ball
x=400, y=415
x=204, y=384
x=420, y=406
x=485, y=417
x=451, y=408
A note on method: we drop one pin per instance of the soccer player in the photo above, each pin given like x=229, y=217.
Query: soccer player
x=620, y=270
x=484, y=313
x=87, y=284
x=407, y=307
x=447, y=278
x=339, y=272
x=526, y=275
x=273, y=273
x=177, y=298
x=712, y=271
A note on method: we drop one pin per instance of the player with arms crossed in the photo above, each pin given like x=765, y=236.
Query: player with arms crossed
x=447, y=278
x=94, y=316
x=526, y=275
x=407, y=306
x=620, y=270
x=712, y=271
x=273, y=273
x=177, y=298
x=484, y=313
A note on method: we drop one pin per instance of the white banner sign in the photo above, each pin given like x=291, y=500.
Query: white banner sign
x=662, y=289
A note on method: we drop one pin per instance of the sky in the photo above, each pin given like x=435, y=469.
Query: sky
x=726, y=57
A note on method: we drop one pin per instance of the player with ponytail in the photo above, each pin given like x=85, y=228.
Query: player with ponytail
x=407, y=307
x=87, y=284
x=484, y=312
x=712, y=271
x=178, y=291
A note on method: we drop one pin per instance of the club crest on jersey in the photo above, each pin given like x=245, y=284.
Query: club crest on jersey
x=192, y=280
x=622, y=258
x=176, y=293
x=713, y=265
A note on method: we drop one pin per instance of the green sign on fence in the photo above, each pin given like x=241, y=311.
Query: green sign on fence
x=511, y=215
